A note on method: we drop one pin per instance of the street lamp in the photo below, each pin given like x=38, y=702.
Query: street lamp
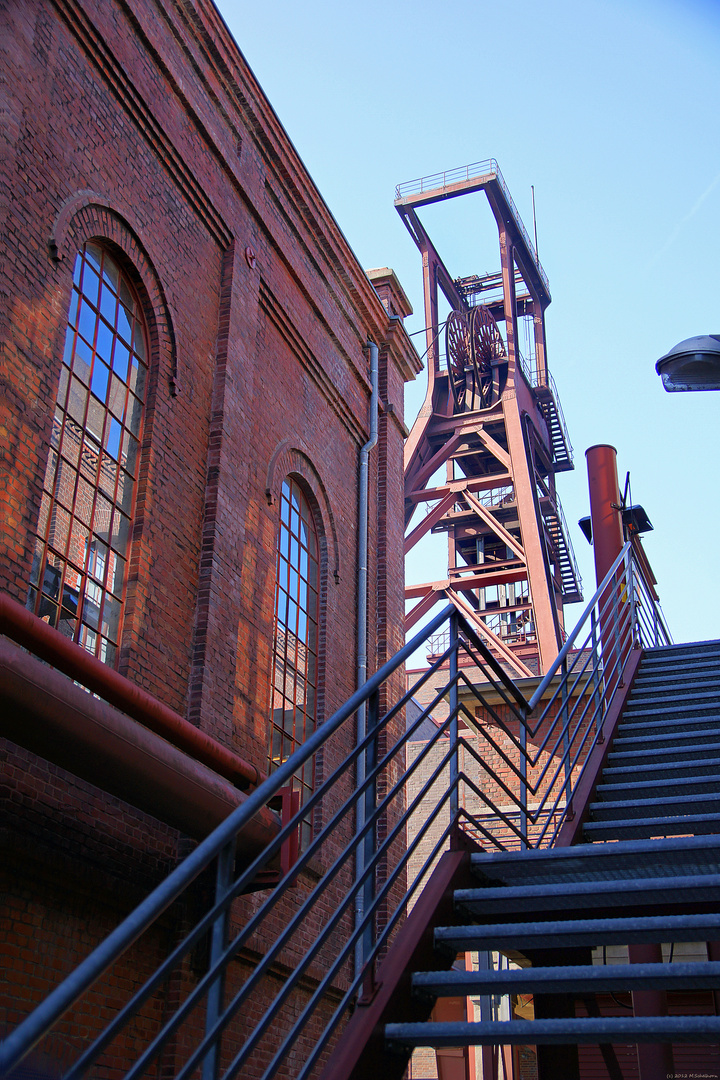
x=694, y=364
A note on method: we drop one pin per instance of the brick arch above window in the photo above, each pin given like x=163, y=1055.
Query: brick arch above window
x=88, y=215
x=288, y=460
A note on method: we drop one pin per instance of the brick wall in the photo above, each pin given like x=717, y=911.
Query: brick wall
x=492, y=761
x=150, y=136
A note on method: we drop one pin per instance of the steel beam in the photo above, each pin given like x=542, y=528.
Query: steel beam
x=495, y=449
x=474, y=580
x=530, y=531
x=425, y=471
x=489, y=518
x=465, y=609
x=474, y=483
x=428, y=521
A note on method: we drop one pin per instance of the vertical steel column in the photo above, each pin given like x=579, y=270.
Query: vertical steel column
x=654, y=1059
x=218, y=942
x=432, y=310
x=616, y=629
x=540, y=347
x=596, y=697
x=523, y=780
x=565, y=720
x=656, y=631
x=523, y=471
x=487, y=1053
x=368, y=842
x=453, y=729
x=632, y=600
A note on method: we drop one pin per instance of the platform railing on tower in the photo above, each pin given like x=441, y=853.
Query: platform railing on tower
x=261, y=982
x=446, y=179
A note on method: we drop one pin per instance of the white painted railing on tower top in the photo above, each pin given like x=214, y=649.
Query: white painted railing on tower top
x=489, y=168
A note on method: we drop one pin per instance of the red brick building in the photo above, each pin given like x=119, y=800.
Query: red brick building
x=186, y=391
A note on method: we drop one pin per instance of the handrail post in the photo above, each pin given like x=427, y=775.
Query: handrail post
x=617, y=590
x=656, y=628
x=597, y=701
x=523, y=782
x=369, y=842
x=454, y=726
x=523, y=778
x=218, y=942
x=632, y=599
x=565, y=721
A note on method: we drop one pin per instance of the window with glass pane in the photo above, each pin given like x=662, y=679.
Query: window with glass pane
x=81, y=550
x=294, y=679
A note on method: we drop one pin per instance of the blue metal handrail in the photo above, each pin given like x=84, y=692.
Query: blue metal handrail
x=307, y=948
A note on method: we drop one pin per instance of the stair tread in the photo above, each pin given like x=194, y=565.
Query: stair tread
x=568, y=933
x=660, y=652
x=693, y=769
x=593, y=978
x=631, y=858
x=687, y=731
x=626, y=741
x=626, y=759
x=638, y=1029
x=653, y=827
x=648, y=705
x=671, y=714
x=671, y=763
x=613, y=892
x=681, y=707
x=703, y=677
x=665, y=672
x=663, y=783
x=636, y=807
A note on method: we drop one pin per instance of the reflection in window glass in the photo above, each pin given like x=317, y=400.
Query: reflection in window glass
x=294, y=678
x=78, y=572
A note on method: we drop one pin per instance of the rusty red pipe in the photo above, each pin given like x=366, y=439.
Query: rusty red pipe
x=49, y=714
x=605, y=513
x=32, y=633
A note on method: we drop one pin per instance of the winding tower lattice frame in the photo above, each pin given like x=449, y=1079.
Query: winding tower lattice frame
x=492, y=418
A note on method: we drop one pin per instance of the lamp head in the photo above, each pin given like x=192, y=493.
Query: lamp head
x=693, y=364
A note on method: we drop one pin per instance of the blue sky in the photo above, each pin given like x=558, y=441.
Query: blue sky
x=611, y=110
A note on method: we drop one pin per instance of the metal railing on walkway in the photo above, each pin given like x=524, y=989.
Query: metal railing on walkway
x=256, y=978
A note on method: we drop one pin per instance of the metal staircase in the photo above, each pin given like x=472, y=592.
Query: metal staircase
x=661, y=776
x=549, y=401
x=645, y=871
x=558, y=532
x=312, y=975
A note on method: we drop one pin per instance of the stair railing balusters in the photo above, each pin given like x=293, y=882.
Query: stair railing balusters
x=369, y=841
x=218, y=943
x=453, y=729
x=633, y=600
x=524, y=782
x=577, y=688
x=565, y=721
x=596, y=697
x=616, y=592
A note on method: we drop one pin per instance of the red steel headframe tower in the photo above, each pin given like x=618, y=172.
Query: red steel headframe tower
x=492, y=419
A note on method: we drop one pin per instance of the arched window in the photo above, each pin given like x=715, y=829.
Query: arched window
x=295, y=651
x=82, y=546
